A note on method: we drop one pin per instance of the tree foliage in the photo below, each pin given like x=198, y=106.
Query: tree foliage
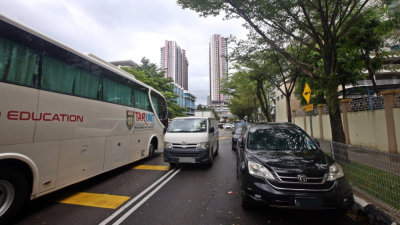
x=318, y=25
x=149, y=74
x=201, y=107
x=243, y=90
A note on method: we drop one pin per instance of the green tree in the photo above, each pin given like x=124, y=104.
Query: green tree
x=367, y=39
x=149, y=74
x=201, y=107
x=268, y=66
x=243, y=92
x=318, y=25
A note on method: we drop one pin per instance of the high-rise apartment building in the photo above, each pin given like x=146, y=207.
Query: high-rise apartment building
x=175, y=63
x=218, y=70
x=218, y=67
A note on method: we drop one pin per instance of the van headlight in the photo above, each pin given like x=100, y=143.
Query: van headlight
x=167, y=144
x=259, y=170
x=335, y=172
x=202, y=145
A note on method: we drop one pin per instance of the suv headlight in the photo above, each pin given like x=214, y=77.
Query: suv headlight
x=167, y=144
x=202, y=145
x=335, y=172
x=259, y=170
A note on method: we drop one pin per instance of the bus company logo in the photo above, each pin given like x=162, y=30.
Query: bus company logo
x=144, y=117
x=130, y=119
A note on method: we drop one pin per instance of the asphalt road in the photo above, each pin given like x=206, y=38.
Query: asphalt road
x=186, y=194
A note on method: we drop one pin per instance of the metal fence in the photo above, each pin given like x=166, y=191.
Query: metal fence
x=373, y=173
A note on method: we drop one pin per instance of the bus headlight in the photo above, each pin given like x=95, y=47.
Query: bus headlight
x=202, y=145
x=167, y=144
x=335, y=172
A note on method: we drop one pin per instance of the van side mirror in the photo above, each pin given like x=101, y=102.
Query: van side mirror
x=165, y=130
x=211, y=130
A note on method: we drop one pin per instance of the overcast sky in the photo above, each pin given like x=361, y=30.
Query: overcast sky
x=127, y=29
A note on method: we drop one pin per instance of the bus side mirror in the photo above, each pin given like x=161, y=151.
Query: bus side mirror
x=211, y=130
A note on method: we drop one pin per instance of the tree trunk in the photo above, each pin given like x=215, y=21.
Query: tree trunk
x=371, y=75
x=264, y=106
x=331, y=84
x=289, y=110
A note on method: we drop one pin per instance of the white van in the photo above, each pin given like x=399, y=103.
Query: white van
x=191, y=140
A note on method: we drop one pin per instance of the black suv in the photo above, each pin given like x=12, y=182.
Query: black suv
x=279, y=165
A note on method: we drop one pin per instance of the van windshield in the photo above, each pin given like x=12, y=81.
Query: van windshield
x=188, y=125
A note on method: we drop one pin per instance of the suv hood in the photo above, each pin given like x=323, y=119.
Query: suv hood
x=293, y=161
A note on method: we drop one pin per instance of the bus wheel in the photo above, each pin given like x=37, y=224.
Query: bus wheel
x=151, y=150
x=13, y=192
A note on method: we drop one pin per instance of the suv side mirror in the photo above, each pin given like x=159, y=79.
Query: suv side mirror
x=317, y=142
x=211, y=130
x=240, y=143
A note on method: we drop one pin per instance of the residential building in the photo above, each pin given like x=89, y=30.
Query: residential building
x=190, y=103
x=218, y=70
x=175, y=63
x=185, y=99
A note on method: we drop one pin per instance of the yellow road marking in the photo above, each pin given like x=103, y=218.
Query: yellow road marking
x=221, y=138
x=94, y=200
x=150, y=167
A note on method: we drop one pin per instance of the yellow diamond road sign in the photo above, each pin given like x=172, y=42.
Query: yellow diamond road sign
x=307, y=93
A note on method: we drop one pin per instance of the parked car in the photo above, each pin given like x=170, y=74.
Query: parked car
x=228, y=126
x=279, y=165
x=236, y=134
x=220, y=125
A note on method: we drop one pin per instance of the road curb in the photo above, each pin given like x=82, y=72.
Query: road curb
x=375, y=215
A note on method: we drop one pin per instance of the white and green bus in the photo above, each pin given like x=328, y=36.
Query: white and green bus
x=66, y=116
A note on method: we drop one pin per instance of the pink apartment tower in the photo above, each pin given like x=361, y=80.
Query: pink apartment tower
x=218, y=70
x=175, y=63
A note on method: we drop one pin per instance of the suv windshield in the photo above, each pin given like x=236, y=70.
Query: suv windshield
x=279, y=139
x=188, y=125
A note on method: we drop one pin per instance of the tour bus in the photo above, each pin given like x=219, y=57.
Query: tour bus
x=66, y=116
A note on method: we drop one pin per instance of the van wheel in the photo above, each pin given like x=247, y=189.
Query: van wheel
x=151, y=150
x=172, y=164
x=210, y=163
x=14, y=191
x=216, y=152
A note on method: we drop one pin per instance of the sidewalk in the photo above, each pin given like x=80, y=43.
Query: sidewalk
x=373, y=211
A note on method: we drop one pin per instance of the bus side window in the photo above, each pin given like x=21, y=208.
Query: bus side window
x=18, y=63
x=142, y=98
x=116, y=92
x=57, y=75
